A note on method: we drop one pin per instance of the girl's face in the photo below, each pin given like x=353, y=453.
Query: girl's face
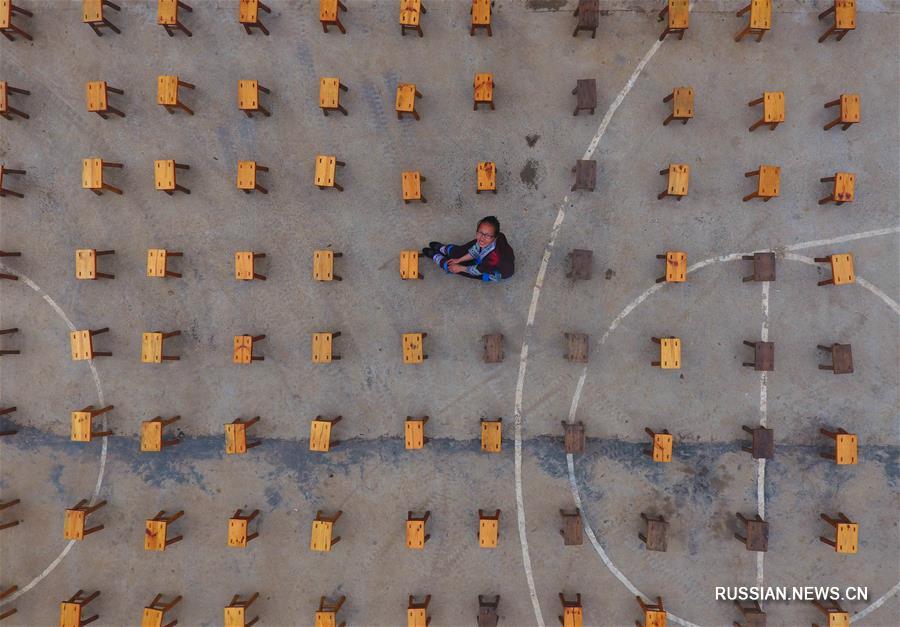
x=485, y=234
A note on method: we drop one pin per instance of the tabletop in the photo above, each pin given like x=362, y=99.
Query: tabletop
x=323, y=265
x=670, y=353
x=69, y=614
x=320, y=435
x=573, y=616
x=248, y=12
x=151, y=348
x=679, y=179
x=678, y=14
x=406, y=97
x=5, y=15
x=845, y=14
x=151, y=617
x=481, y=12
x=92, y=173
x=237, y=532
x=167, y=90
x=243, y=349
x=843, y=186
x=248, y=95
x=321, y=348
x=761, y=14
x=842, y=268
x=412, y=185
x=486, y=175
x=243, y=265
x=328, y=10
x=414, y=430
x=73, y=526
x=415, y=534
x=151, y=436
x=246, y=175
x=488, y=533
x=654, y=618
x=320, y=539
x=491, y=436
x=676, y=266
x=409, y=12
x=91, y=11
x=412, y=348
x=235, y=616
x=847, y=537
x=155, y=535
x=235, y=438
x=662, y=447
x=484, y=87
x=82, y=345
x=850, y=108
x=846, y=448
x=167, y=12
x=81, y=426
x=769, y=184
x=164, y=171
x=773, y=106
x=156, y=262
x=86, y=263
x=95, y=94
x=683, y=102
x=329, y=92
x=325, y=170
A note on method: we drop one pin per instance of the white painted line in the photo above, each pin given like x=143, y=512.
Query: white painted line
x=876, y=604
x=843, y=238
x=890, y=302
x=103, y=451
x=763, y=421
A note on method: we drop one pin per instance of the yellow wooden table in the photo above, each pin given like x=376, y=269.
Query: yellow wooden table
x=246, y=175
x=243, y=265
x=842, y=269
x=323, y=265
x=416, y=617
x=773, y=106
x=406, y=100
x=326, y=619
x=670, y=353
x=761, y=14
x=92, y=173
x=248, y=95
x=243, y=349
x=484, y=89
x=409, y=13
x=412, y=186
x=320, y=435
x=167, y=12
x=86, y=263
x=843, y=187
x=654, y=618
x=845, y=14
x=322, y=348
x=769, y=185
x=4, y=97
x=573, y=616
x=164, y=170
x=167, y=90
x=237, y=532
x=491, y=436
x=82, y=345
x=330, y=94
x=151, y=436
x=481, y=16
x=69, y=614
x=248, y=11
x=409, y=264
x=155, y=535
x=662, y=447
x=415, y=534
x=235, y=438
x=414, y=432
x=486, y=177
x=412, y=348
x=156, y=262
x=320, y=539
x=847, y=537
x=151, y=348
x=679, y=16
x=73, y=525
x=151, y=617
x=91, y=11
x=235, y=616
x=328, y=10
x=488, y=533
x=679, y=179
x=325, y=167
x=81, y=426
x=676, y=266
x=850, y=108
x=838, y=619
x=5, y=17
x=846, y=448
x=95, y=94
x=682, y=104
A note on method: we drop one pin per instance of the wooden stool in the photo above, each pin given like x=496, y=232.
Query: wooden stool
x=481, y=16
x=413, y=347
x=321, y=538
x=588, y=14
x=763, y=267
x=417, y=613
x=322, y=347
x=679, y=16
x=152, y=347
x=167, y=17
x=585, y=171
x=669, y=352
x=773, y=109
x=76, y=517
x=155, y=613
x=415, y=531
x=844, y=19
x=769, y=184
x=409, y=265
x=762, y=442
x=328, y=14
x=493, y=348
x=156, y=531
x=484, y=90
x=580, y=264
x=325, y=167
x=9, y=332
x=7, y=8
x=837, y=617
x=70, y=611
x=167, y=93
x=245, y=265
x=414, y=432
x=411, y=183
x=849, y=111
x=843, y=188
x=841, y=269
x=676, y=266
x=654, y=614
x=682, y=105
x=585, y=93
x=485, y=177
x=151, y=434
x=243, y=349
x=657, y=528
x=236, y=611
x=326, y=615
x=410, y=15
x=7, y=505
x=246, y=177
x=845, y=447
x=3, y=172
x=841, y=358
x=329, y=94
x=846, y=533
x=6, y=88
x=248, y=98
x=760, y=19
x=97, y=97
x=236, y=436
x=752, y=613
x=86, y=264
x=406, y=100
x=323, y=265
x=92, y=14
x=3, y=595
x=757, y=530
x=573, y=438
x=661, y=450
x=571, y=531
x=573, y=612
x=487, y=611
x=238, y=527
x=4, y=411
x=488, y=529
x=763, y=356
x=165, y=176
x=320, y=433
x=491, y=435
x=679, y=178
x=157, y=263
x=82, y=344
x=83, y=423
x=92, y=175
x=577, y=347
x=248, y=15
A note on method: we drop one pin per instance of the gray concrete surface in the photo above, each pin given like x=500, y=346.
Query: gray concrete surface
x=371, y=477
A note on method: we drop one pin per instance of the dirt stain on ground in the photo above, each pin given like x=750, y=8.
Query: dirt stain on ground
x=545, y=5
x=529, y=173
x=532, y=140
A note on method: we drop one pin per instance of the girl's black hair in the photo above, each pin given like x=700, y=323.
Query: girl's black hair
x=493, y=221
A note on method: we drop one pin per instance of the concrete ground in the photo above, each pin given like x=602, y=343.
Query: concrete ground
x=535, y=140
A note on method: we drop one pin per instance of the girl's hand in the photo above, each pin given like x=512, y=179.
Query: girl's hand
x=456, y=268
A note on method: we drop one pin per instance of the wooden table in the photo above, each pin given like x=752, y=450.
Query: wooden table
x=682, y=104
x=155, y=535
x=167, y=90
x=151, y=436
x=491, y=436
x=414, y=431
x=842, y=269
x=488, y=533
x=242, y=352
x=5, y=17
x=850, y=108
x=86, y=263
x=676, y=266
x=237, y=532
x=243, y=265
x=235, y=438
x=69, y=614
x=151, y=348
x=845, y=14
x=846, y=448
x=81, y=426
x=415, y=536
x=235, y=616
x=679, y=179
x=413, y=348
x=91, y=11
x=320, y=435
x=679, y=16
x=662, y=447
x=410, y=13
x=481, y=15
x=326, y=619
x=654, y=618
x=484, y=89
x=773, y=106
x=95, y=94
x=757, y=535
x=760, y=14
x=573, y=616
x=412, y=186
x=92, y=173
x=73, y=527
x=246, y=176
x=486, y=177
x=82, y=345
x=847, y=537
x=320, y=540
x=843, y=187
x=164, y=170
x=329, y=93
x=406, y=99
x=151, y=617
x=323, y=265
x=409, y=264
x=325, y=167
x=585, y=174
x=248, y=13
x=321, y=348
x=585, y=95
x=670, y=353
x=248, y=95
x=167, y=12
